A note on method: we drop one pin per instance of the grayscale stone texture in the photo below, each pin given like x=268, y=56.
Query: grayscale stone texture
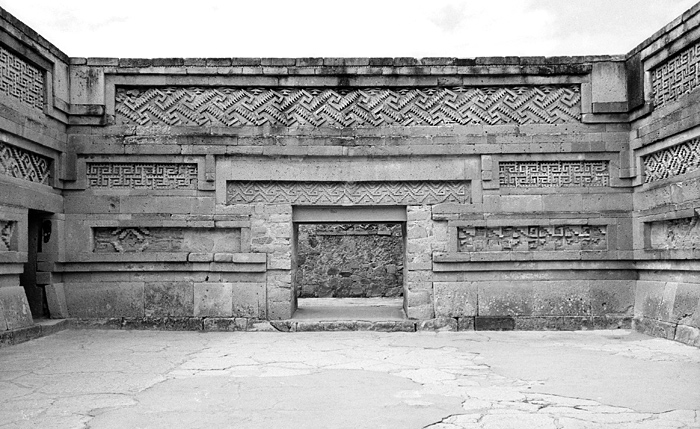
x=538, y=193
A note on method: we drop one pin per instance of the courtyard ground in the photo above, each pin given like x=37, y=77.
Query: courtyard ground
x=147, y=379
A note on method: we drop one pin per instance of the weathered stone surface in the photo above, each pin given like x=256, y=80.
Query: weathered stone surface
x=350, y=260
x=105, y=299
x=213, y=300
x=15, y=308
x=168, y=299
x=455, y=299
x=249, y=300
x=56, y=300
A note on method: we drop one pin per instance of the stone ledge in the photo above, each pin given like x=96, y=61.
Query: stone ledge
x=39, y=329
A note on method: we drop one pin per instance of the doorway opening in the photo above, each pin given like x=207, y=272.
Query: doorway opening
x=37, y=234
x=349, y=263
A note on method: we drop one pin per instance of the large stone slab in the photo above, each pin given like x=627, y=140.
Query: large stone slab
x=105, y=299
x=213, y=300
x=168, y=299
x=455, y=299
x=15, y=308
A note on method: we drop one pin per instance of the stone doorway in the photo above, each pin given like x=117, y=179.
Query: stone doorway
x=36, y=233
x=349, y=262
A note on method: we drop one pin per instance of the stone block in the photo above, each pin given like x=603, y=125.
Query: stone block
x=227, y=324
x=420, y=312
x=505, y=299
x=249, y=300
x=455, y=299
x=14, y=308
x=200, y=257
x=56, y=300
x=465, y=324
x=438, y=324
x=104, y=299
x=168, y=299
x=482, y=323
x=688, y=335
x=279, y=310
x=213, y=300
x=612, y=297
x=651, y=301
x=686, y=304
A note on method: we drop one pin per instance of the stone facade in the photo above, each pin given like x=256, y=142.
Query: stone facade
x=531, y=193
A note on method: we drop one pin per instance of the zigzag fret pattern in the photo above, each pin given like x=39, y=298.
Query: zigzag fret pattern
x=677, y=76
x=673, y=161
x=369, y=193
x=135, y=175
x=6, y=230
x=370, y=107
x=532, y=238
x=20, y=80
x=22, y=164
x=553, y=174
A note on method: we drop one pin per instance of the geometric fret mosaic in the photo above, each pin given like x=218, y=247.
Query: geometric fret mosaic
x=7, y=228
x=544, y=174
x=354, y=107
x=672, y=161
x=135, y=175
x=20, y=80
x=677, y=76
x=22, y=164
x=368, y=193
x=532, y=238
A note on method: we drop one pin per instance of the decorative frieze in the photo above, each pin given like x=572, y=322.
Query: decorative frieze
x=7, y=229
x=134, y=175
x=164, y=239
x=332, y=193
x=361, y=107
x=673, y=161
x=532, y=238
x=677, y=76
x=21, y=80
x=22, y=164
x=553, y=174
x=676, y=234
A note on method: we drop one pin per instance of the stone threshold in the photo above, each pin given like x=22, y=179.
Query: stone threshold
x=472, y=323
x=41, y=328
x=349, y=309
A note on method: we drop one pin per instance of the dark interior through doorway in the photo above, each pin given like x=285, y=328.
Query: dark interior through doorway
x=36, y=295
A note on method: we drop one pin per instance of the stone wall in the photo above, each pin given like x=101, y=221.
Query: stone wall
x=34, y=108
x=537, y=193
x=666, y=165
x=350, y=260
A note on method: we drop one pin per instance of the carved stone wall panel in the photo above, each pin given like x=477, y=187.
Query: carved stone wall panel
x=164, y=239
x=332, y=193
x=546, y=174
x=21, y=80
x=364, y=107
x=677, y=76
x=7, y=229
x=673, y=161
x=23, y=164
x=532, y=238
x=676, y=234
x=134, y=175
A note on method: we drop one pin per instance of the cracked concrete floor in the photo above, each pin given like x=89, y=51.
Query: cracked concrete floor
x=145, y=379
